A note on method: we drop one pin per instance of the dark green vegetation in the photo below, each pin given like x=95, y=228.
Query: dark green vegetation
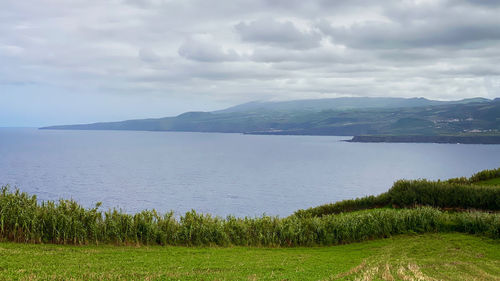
x=345, y=116
x=422, y=242
x=408, y=257
x=481, y=178
x=467, y=139
x=476, y=192
x=24, y=219
x=491, y=182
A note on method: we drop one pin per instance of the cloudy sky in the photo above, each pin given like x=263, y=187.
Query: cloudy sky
x=74, y=61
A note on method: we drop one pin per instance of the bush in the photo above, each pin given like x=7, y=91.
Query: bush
x=444, y=195
x=23, y=219
x=477, y=177
x=457, y=193
x=485, y=175
x=461, y=180
x=368, y=202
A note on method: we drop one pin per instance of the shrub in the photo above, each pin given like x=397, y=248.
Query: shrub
x=368, y=202
x=485, y=175
x=23, y=219
x=458, y=193
x=406, y=193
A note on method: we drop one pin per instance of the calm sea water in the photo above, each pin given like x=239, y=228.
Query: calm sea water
x=243, y=175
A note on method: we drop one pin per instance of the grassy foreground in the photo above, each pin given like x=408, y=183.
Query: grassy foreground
x=424, y=242
x=450, y=256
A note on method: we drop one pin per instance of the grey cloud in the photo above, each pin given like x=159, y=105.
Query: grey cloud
x=275, y=33
x=148, y=55
x=226, y=52
x=492, y=3
x=316, y=56
x=202, y=48
x=433, y=33
x=480, y=71
x=415, y=24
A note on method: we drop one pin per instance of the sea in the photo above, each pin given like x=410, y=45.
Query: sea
x=217, y=173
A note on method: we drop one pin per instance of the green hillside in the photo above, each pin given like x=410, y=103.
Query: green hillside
x=464, y=118
x=418, y=230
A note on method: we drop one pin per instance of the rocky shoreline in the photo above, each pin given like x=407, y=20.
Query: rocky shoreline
x=429, y=139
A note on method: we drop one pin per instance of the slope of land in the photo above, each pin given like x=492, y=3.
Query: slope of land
x=344, y=117
x=341, y=104
x=480, y=191
x=408, y=257
x=437, y=252
x=494, y=181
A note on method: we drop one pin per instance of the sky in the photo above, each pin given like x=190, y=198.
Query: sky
x=81, y=61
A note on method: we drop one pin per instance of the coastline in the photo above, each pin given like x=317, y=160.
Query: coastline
x=428, y=139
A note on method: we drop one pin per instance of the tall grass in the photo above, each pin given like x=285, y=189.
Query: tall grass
x=368, y=202
x=24, y=219
x=457, y=193
x=406, y=193
x=477, y=177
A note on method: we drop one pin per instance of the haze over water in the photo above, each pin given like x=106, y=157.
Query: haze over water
x=221, y=174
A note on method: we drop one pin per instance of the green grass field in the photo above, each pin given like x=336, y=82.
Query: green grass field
x=405, y=257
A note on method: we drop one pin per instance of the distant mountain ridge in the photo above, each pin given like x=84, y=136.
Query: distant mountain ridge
x=341, y=104
x=342, y=116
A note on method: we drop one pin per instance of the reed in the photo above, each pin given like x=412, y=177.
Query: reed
x=406, y=193
x=477, y=177
x=351, y=205
x=457, y=193
x=24, y=219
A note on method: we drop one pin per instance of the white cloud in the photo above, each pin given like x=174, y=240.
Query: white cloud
x=203, y=48
x=219, y=53
x=283, y=34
